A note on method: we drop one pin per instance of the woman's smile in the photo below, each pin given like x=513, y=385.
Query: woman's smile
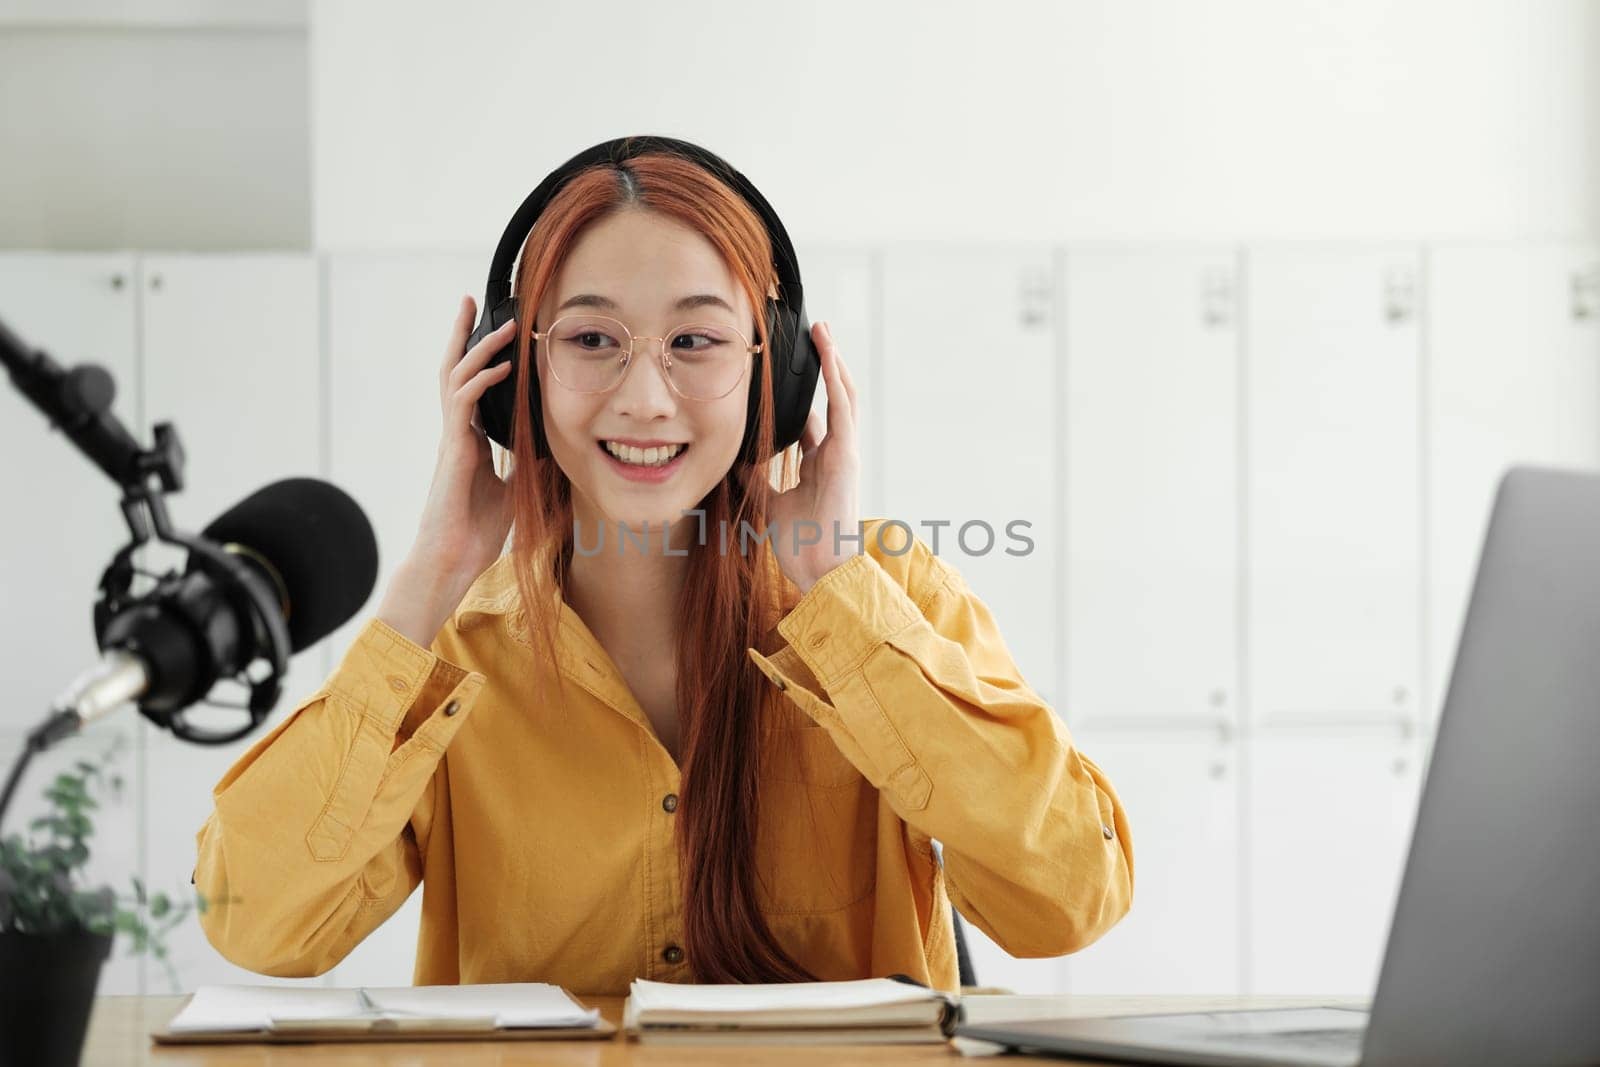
x=650, y=465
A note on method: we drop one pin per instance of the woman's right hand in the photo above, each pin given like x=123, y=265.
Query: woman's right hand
x=468, y=511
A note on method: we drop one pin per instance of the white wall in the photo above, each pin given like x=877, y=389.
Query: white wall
x=1013, y=120
x=154, y=124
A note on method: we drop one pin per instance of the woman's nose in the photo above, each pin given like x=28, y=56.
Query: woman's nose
x=644, y=389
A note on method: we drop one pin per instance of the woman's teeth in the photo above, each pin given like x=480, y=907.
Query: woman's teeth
x=643, y=457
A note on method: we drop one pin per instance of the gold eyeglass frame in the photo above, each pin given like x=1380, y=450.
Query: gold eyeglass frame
x=662, y=358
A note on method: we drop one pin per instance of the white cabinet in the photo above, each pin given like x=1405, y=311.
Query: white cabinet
x=1329, y=818
x=1151, y=422
x=969, y=445
x=227, y=349
x=842, y=288
x=970, y=408
x=389, y=318
x=1513, y=372
x=231, y=356
x=1333, y=485
x=64, y=526
x=1181, y=792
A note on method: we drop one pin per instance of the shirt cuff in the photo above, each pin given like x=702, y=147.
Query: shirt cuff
x=405, y=688
x=847, y=613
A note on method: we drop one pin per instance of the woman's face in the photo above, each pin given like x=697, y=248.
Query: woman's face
x=644, y=265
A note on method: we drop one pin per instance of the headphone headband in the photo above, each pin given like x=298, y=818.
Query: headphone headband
x=791, y=291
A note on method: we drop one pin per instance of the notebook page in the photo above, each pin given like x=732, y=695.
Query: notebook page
x=513, y=1004
x=802, y=997
x=250, y=1007
x=224, y=1008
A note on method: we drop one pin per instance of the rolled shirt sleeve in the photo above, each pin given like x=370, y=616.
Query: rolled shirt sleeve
x=923, y=696
x=313, y=840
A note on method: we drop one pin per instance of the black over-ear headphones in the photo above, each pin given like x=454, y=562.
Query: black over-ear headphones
x=795, y=363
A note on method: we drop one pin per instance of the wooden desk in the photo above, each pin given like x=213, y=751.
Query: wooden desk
x=119, y=1036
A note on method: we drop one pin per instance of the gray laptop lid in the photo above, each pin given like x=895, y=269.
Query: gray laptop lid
x=1494, y=947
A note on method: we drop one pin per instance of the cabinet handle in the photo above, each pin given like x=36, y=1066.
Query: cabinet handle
x=155, y=282
x=118, y=280
x=1399, y=295
x=1034, y=297
x=1219, y=770
x=1216, y=297
x=1586, y=293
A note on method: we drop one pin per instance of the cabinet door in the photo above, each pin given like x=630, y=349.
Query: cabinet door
x=1152, y=456
x=1181, y=792
x=389, y=318
x=231, y=357
x=1333, y=488
x=842, y=288
x=1513, y=376
x=970, y=439
x=1329, y=822
x=64, y=528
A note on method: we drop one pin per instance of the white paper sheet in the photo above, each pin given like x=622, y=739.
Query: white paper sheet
x=252, y=1007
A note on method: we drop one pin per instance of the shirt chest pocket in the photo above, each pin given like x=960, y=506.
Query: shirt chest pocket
x=817, y=844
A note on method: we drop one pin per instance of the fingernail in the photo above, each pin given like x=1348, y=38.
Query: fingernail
x=827, y=328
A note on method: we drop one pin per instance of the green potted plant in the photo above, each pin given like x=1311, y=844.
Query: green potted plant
x=55, y=934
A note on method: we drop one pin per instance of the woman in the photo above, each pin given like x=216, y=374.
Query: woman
x=701, y=757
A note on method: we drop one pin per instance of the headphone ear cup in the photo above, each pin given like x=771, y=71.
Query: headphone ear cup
x=748, y=451
x=497, y=406
x=796, y=366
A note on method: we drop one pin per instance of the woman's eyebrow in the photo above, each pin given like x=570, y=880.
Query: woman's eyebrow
x=596, y=300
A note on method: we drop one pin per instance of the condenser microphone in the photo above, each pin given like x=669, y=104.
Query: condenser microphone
x=271, y=576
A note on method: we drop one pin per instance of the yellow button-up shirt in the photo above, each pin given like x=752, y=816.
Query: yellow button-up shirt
x=543, y=836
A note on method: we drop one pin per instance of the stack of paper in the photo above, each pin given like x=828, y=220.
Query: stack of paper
x=244, y=1009
x=866, y=1011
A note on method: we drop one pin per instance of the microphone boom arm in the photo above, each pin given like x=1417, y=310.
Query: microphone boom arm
x=78, y=403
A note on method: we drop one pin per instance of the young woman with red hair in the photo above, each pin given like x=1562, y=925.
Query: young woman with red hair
x=632, y=746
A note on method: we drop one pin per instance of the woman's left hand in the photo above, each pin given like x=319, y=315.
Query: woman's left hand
x=830, y=479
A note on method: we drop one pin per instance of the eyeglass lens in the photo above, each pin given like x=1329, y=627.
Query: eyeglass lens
x=705, y=360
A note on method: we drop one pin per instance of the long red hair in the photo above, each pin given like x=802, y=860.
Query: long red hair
x=731, y=598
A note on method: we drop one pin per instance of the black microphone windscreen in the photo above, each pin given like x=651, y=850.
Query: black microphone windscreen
x=318, y=540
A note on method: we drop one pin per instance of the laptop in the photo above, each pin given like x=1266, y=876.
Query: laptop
x=1493, y=954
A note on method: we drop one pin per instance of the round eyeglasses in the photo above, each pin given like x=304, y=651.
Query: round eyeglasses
x=591, y=354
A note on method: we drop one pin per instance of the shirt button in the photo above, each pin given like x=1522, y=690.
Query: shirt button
x=780, y=684
x=670, y=802
x=452, y=707
x=672, y=954
x=1106, y=830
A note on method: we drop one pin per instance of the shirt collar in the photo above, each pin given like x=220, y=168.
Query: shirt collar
x=494, y=594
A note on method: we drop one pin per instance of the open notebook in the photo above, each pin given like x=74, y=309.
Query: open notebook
x=302, y=1013
x=865, y=1011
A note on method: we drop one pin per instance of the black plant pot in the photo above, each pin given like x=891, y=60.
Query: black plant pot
x=47, y=985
